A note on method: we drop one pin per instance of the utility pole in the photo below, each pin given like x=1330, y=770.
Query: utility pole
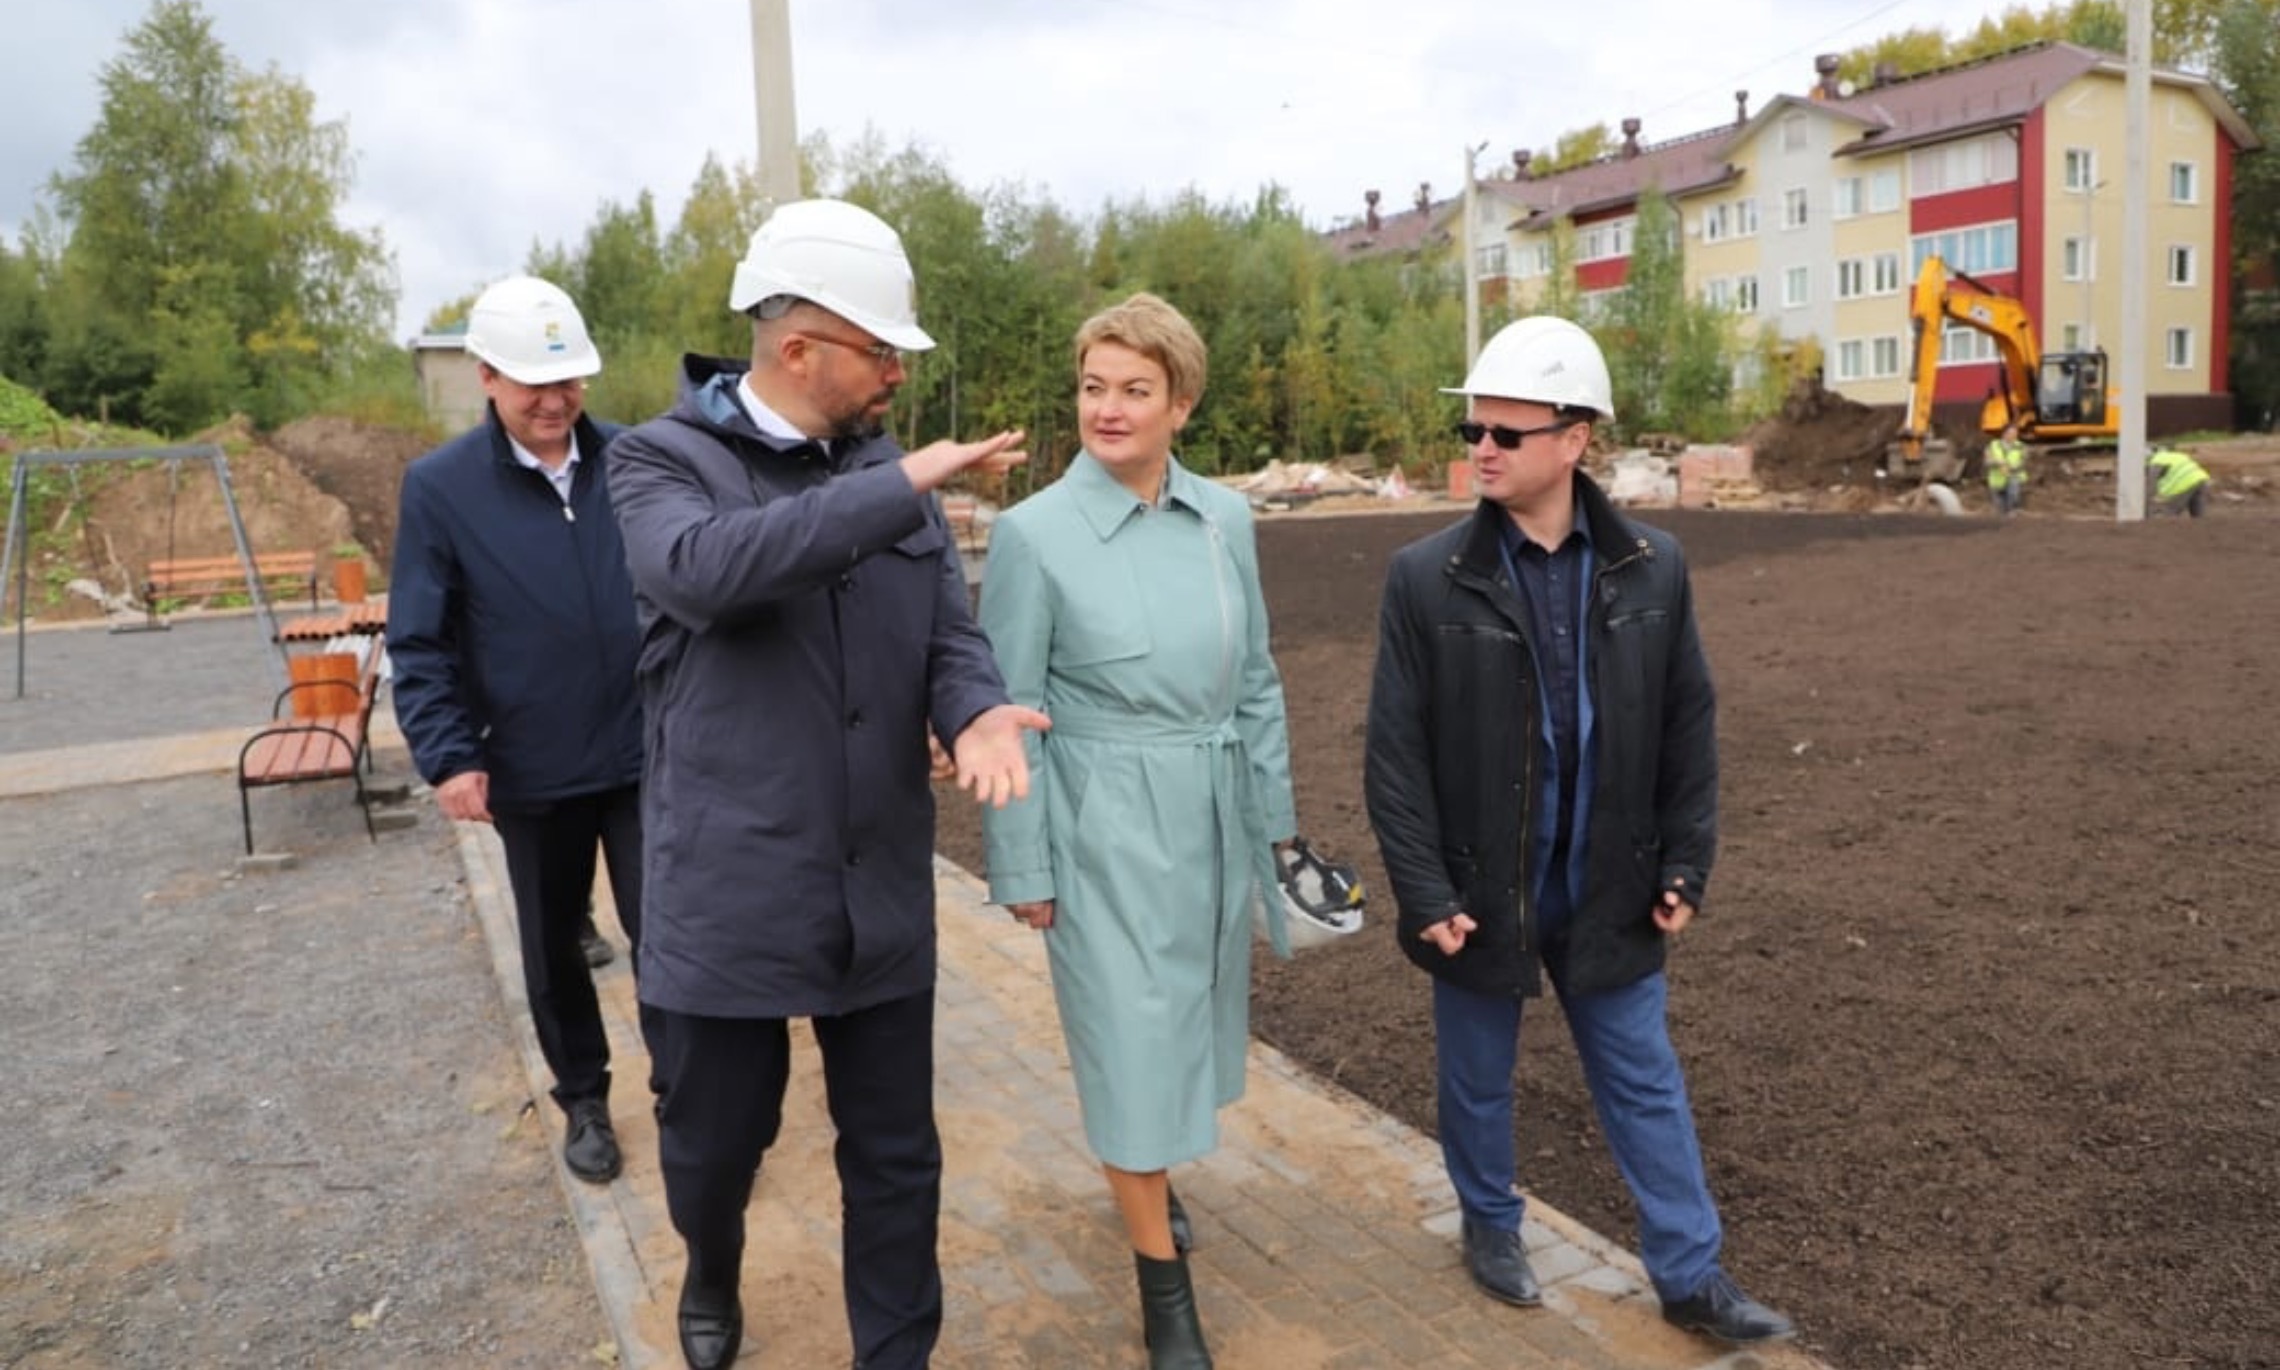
x=2137, y=100
x=1472, y=260
x=779, y=130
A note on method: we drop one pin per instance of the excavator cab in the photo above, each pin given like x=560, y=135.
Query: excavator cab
x=2071, y=390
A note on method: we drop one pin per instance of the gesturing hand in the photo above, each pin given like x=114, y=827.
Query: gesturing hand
x=991, y=763
x=931, y=465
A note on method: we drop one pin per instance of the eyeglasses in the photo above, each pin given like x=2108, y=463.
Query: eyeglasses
x=1505, y=438
x=885, y=354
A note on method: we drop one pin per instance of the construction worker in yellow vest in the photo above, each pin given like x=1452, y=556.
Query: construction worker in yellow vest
x=2181, y=484
x=2007, y=471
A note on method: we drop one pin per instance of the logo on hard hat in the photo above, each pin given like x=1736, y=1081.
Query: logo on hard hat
x=554, y=341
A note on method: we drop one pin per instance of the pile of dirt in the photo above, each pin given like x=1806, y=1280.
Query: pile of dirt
x=359, y=464
x=1820, y=440
x=324, y=484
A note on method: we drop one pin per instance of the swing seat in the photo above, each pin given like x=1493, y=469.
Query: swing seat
x=182, y=578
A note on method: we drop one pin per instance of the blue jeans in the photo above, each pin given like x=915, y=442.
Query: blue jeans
x=1623, y=1040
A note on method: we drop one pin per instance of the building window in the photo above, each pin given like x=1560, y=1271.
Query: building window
x=1852, y=278
x=1746, y=218
x=2179, y=349
x=1714, y=224
x=2184, y=184
x=1989, y=247
x=1884, y=358
x=1961, y=346
x=1851, y=364
x=1619, y=237
x=1793, y=133
x=1887, y=273
x=1745, y=295
x=2180, y=265
x=1718, y=293
x=1793, y=208
x=1846, y=199
x=1491, y=259
x=1984, y=161
x=2081, y=176
x=2077, y=259
x=1796, y=287
x=1884, y=190
x=2070, y=338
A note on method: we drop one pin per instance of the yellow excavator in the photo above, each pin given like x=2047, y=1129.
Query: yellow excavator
x=2054, y=396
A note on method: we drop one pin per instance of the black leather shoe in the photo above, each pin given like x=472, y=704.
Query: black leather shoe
x=1499, y=1265
x=1183, y=1234
x=599, y=952
x=1720, y=1311
x=591, y=1149
x=712, y=1328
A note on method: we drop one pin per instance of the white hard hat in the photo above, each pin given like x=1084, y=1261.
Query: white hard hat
x=528, y=331
x=841, y=257
x=1544, y=359
x=1322, y=900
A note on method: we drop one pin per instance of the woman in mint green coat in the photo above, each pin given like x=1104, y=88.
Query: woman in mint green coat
x=1124, y=601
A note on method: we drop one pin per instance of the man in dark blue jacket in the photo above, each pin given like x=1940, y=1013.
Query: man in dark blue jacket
x=512, y=638
x=806, y=622
x=1542, y=773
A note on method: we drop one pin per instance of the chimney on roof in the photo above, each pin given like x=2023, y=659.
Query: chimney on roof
x=1741, y=107
x=1424, y=196
x=1370, y=218
x=1631, y=137
x=1825, y=66
x=1887, y=71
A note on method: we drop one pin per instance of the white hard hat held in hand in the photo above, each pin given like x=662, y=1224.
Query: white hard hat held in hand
x=1544, y=359
x=1322, y=899
x=840, y=257
x=527, y=330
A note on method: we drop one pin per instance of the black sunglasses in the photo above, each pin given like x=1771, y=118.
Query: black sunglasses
x=1507, y=438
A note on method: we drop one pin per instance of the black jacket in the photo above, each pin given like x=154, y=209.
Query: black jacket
x=1451, y=772
x=511, y=632
x=806, y=618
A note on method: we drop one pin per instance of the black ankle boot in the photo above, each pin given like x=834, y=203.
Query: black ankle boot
x=1167, y=1315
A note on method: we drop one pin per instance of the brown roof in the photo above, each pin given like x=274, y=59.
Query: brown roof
x=1997, y=91
x=1679, y=167
x=1403, y=231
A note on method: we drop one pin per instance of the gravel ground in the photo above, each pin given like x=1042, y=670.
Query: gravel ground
x=261, y=1119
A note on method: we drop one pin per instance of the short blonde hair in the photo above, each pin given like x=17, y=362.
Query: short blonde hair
x=1151, y=327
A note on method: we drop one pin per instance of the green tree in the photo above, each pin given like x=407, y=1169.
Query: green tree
x=1667, y=352
x=202, y=209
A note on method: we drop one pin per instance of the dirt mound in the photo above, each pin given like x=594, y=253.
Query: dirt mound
x=359, y=464
x=1819, y=440
x=133, y=515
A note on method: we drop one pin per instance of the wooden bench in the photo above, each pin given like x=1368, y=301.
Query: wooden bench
x=200, y=577
x=327, y=742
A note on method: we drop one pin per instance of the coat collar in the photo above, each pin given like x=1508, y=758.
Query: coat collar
x=1107, y=506
x=1613, y=540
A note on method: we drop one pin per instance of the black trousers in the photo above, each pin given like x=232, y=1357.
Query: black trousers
x=722, y=1107
x=550, y=864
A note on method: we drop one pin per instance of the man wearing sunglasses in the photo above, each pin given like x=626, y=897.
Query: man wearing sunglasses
x=1542, y=775
x=805, y=620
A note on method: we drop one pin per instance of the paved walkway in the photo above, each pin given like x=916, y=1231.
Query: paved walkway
x=1326, y=1235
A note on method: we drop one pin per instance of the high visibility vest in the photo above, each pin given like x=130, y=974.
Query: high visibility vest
x=2006, y=462
x=2178, y=473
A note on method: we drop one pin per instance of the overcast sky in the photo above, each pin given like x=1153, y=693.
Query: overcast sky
x=483, y=125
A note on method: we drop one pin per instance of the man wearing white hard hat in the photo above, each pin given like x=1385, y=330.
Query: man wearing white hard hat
x=512, y=638
x=807, y=621
x=1542, y=774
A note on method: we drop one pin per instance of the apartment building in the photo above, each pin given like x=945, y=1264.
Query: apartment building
x=1810, y=216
